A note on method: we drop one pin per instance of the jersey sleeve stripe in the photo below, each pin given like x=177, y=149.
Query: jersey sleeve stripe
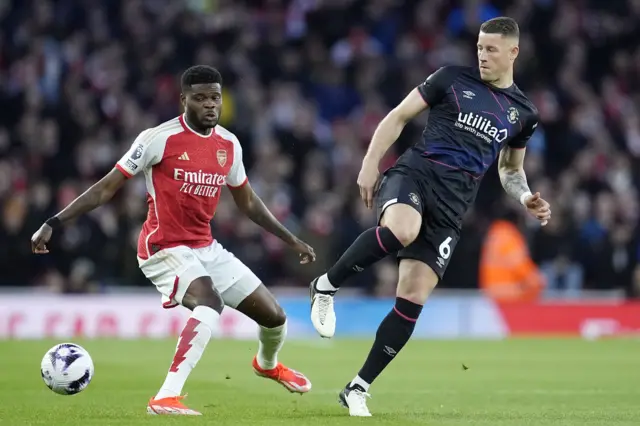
x=153, y=133
x=455, y=95
x=244, y=182
x=123, y=171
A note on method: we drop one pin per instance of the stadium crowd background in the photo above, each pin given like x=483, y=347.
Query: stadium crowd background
x=305, y=83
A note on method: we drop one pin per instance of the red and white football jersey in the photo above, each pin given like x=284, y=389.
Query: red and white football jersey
x=184, y=172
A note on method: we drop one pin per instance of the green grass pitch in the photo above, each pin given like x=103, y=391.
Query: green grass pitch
x=512, y=382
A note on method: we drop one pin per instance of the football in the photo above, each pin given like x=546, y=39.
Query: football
x=67, y=368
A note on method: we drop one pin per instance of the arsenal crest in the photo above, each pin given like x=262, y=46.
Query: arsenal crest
x=222, y=157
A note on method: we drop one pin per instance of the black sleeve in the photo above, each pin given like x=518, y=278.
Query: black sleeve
x=521, y=139
x=436, y=85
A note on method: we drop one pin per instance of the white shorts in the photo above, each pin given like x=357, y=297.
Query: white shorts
x=173, y=269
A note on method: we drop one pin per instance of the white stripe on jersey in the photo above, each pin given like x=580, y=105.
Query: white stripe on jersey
x=226, y=134
x=237, y=175
x=158, y=133
x=152, y=133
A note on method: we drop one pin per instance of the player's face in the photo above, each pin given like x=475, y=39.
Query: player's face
x=203, y=104
x=496, y=54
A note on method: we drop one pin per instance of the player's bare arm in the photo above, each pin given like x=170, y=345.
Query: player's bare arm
x=511, y=170
x=385, y=135
x=514, y=182
x=253, y=207
x=100, y=193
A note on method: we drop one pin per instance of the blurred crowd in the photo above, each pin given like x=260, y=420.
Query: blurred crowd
x=305, y=84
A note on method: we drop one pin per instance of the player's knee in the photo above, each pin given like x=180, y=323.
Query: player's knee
x=201, y=292
x=403, y=221
x=415, y=291
x=213, y=301
x=275, y=318
x=406, y=233
x=416, y=281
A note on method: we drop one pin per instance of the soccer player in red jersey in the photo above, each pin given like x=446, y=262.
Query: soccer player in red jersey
x=186, y=161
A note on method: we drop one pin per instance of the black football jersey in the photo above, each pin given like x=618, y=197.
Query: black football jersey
x=469, y=122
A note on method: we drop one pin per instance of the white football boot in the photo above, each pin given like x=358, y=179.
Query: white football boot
x=323, y=317
x=355, y=399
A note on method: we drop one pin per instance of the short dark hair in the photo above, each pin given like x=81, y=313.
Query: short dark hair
x=200, y=74
x=501, y=25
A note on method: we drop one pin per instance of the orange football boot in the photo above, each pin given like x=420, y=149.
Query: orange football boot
x=172, y=406
x=290, y=379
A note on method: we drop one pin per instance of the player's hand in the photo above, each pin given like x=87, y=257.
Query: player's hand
x=367, y=180
x=538, y=207
x=40, y=239
x=307, y=255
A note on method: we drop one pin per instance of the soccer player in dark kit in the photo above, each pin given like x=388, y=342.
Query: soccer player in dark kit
x=477, y=114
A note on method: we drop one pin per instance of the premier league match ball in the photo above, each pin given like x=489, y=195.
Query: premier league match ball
x=67, y=368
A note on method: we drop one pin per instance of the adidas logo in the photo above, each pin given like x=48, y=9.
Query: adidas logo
x=184, y=156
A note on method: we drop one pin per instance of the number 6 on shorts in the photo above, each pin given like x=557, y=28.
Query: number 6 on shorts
x=445, y=249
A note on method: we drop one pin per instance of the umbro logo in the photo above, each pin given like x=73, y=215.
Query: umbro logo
x=468, y=94
x=184, y=156
x=390, y=351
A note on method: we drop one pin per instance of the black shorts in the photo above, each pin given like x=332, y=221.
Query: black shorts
x=440, y=231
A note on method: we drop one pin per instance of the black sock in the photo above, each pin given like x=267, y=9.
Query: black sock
x=394, y=332
x=371, y=246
